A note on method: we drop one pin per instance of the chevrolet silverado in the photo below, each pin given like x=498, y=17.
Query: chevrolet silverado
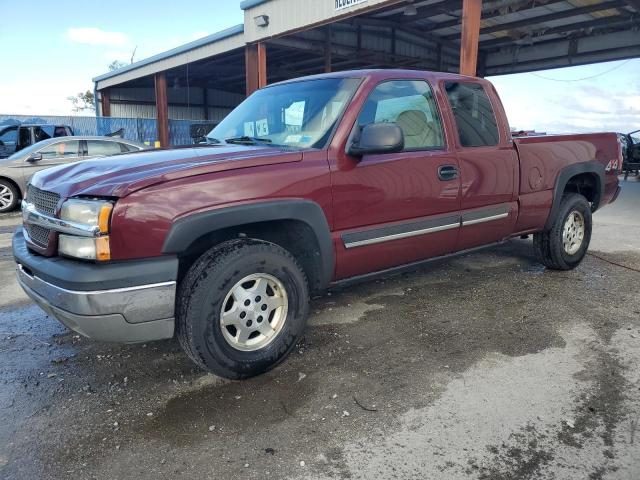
x=307, y=183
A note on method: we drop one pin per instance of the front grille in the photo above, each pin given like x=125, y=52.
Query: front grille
x=45, y=202
x=39, y=235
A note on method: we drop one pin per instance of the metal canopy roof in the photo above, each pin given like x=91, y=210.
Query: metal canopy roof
x=515, y=36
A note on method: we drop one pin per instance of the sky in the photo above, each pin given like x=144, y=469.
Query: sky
x=67, y=43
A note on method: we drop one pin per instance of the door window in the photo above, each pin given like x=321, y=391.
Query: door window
x=124, y=148
x=42, y=133
x=61, y=150
x=97, y=148
x=411, y=105
x=475, y=119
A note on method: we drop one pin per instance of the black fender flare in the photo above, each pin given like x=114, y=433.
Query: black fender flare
x=186, y=230
x=593, y=167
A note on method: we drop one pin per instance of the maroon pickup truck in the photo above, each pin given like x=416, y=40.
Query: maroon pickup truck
x=306, y=184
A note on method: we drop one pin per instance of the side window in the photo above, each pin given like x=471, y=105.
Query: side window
x=411, y=105
x=59, y=132
x=9, y=135
x=474, y=115
x=97, y=148
x=124, y=148
x=61, y=150
x=41, y=134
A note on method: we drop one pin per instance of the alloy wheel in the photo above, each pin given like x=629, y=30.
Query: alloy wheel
x=254, y=312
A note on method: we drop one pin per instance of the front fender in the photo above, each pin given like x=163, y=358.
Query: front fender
x=186, y=230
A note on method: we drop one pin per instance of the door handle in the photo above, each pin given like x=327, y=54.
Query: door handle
x=447, y=172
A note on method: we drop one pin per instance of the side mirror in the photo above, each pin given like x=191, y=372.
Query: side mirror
x=36, y=157
x=377, y=138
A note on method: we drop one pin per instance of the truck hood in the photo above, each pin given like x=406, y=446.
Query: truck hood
x=120, y=175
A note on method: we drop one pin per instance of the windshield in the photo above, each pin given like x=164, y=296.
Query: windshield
x=299, y=114
x=26, y=151
x=635, y=137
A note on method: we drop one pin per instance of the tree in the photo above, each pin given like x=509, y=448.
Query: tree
x=116, y=65
x=83, y=101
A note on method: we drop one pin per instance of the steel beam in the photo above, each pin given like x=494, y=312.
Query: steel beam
x=497, y=12
x=256, y=67
x=105, y=100
x=471, y=12
x=546, y=54
x=592, y=25
x=528, y=22
x=162, y=108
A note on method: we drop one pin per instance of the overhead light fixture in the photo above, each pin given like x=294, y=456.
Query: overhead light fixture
x=261, y=20
x=410, y=10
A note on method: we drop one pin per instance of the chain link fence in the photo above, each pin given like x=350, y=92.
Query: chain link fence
x=138, y=129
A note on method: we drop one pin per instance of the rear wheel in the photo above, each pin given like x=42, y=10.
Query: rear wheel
x=242, y=307
x=565, y=244
x=9, y=196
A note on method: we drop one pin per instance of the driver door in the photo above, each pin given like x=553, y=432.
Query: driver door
x=396, y=208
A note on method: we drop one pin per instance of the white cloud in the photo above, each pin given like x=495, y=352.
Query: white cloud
x=97, y=37
x=199, y=34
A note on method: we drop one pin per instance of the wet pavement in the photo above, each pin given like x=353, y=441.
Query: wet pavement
x=485, y=366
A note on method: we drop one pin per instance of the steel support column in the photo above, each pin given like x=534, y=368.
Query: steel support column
x=256, y=67
x=162, y=108
x=471, y=13
x=105, y=100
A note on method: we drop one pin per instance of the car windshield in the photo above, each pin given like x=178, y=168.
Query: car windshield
x=635, y=137
x=298, y=114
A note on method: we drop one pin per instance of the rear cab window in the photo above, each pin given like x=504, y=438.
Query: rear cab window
x=474, y=116
x=410, y=104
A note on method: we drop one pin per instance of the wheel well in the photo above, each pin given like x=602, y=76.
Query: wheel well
x=293, y=235
x=585, y=184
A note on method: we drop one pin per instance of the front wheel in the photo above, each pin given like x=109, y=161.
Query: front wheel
x=242, y=307
x=565, y=244
x=9, y=196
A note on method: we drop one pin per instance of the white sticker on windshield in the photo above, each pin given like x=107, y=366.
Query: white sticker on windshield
x=249, y=129
x=262, y=127
x=293, y=139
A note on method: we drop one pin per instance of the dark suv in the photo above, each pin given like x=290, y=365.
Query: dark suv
x=16, y=137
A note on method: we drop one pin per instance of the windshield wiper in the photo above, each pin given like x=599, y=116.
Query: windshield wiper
x=245, y=140
x=211, y=141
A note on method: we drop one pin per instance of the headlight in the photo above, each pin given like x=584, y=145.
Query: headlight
x=86, y=248
x=92, y=213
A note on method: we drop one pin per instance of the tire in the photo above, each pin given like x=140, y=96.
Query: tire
x=9, y=196
x=212, y=291
x=551, y=248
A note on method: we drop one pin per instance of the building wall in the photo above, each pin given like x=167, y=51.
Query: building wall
x=184, y=104
x=288, y=15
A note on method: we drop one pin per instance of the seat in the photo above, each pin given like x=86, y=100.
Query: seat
x=418, y=131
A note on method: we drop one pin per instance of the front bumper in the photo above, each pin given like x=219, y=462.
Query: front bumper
x=128, y=302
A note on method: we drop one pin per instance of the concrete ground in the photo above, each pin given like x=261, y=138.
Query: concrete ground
x=485, y=366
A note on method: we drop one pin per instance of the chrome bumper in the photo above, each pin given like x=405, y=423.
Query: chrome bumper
x=133, y=314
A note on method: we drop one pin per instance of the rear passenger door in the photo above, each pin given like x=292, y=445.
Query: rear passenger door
x=396, y=208
x=488, y=164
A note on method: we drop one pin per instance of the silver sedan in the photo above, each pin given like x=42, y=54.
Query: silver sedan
x=17, y=170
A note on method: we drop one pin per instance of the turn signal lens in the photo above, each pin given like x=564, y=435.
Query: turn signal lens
x=85, y=248
x=104, y=217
